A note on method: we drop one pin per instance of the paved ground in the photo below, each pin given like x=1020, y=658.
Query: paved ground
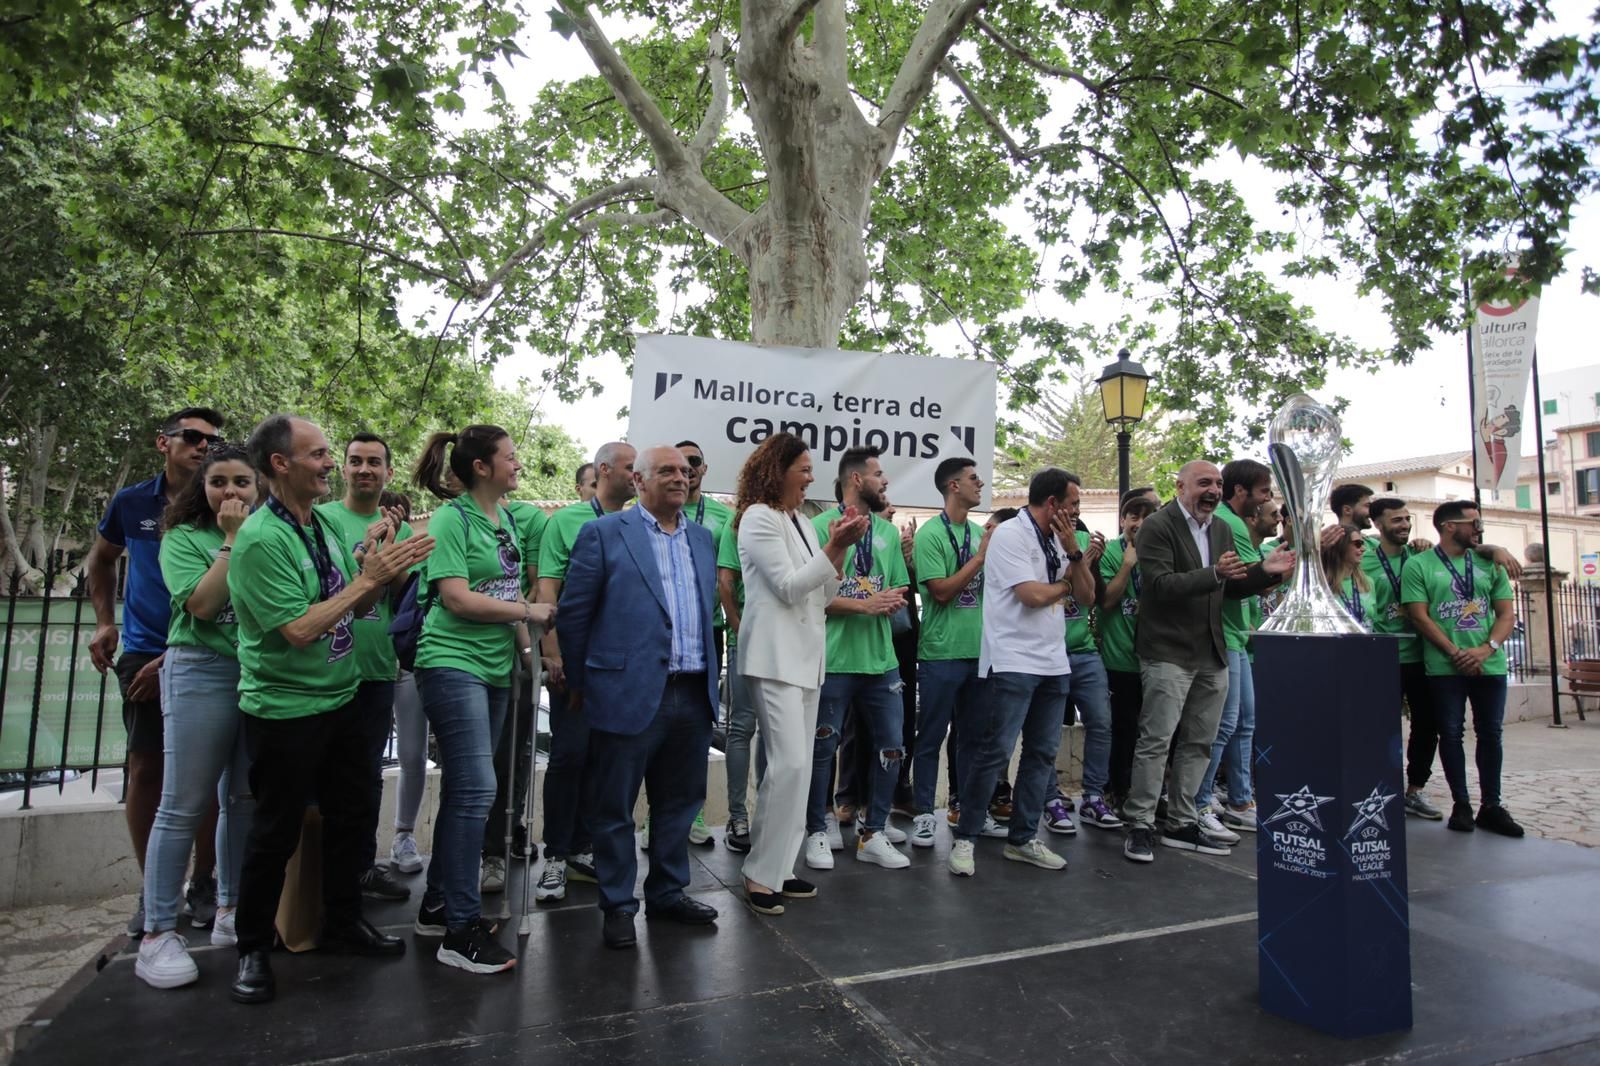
x=1552, y=784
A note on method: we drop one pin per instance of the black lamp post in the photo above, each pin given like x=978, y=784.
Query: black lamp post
x=1122, y=389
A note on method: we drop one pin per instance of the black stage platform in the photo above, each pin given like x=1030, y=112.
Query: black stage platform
x=1106, y=962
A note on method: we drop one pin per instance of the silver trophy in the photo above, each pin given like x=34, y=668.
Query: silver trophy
x=1303, y=446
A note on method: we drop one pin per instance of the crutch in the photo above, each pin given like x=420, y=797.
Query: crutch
x=525, y=927
x=511, y=781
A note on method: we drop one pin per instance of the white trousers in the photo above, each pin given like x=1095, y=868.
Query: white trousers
x=787, y=718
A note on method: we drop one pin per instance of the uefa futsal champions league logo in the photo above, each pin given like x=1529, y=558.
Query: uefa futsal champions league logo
x=1367, y=839
x=1297, y=835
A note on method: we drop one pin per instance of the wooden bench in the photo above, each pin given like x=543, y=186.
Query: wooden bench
x=1583, y=679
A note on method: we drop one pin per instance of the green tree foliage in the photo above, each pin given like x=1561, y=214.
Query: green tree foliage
x=1073, y=434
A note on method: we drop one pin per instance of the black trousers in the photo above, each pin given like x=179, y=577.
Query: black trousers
x=293, y=760
x=511, y=769
x=1423, y=743
x=1127, y=695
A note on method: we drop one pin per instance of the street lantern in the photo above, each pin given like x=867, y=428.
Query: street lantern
x=1122, y=392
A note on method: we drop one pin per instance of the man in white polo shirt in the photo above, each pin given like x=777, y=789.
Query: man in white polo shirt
x=1033, y=566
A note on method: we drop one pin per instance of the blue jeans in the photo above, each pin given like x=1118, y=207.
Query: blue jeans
x=1236, y=735
x=206, y=759
x=947, y=690
x=669, y=759
x=566, y=831
x=1033, y=706
x=1090, y=693
x=466, y=715
x=741, y=737
x=877, y=696
x=1450, y=697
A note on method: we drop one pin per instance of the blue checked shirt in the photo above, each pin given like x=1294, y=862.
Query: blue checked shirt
x=676, y=564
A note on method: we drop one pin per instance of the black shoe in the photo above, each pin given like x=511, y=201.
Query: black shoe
x=1136, y=848
x=376, y=883
x=430, y=920
x=684, y=910
x=764, y=902
x=1460, y=818
x=1496, y=819
x=360, y=937
x=795, y=888
x=1193, y=838
x=201, y=901
x=617, y=931
x=737, y=836
x=473, y=948
x=581, y=868
x=254, y=983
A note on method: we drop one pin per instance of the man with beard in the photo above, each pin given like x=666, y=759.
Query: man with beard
x=1349, y=506
x=1460, y=605
x=367, y=470
x=1188, y=565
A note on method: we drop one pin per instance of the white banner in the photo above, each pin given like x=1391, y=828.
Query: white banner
x=728, y=397
x=1502, y=357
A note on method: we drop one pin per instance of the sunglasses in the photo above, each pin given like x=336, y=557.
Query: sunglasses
x=695, y=462
x=193, y=437
x=1476, y=523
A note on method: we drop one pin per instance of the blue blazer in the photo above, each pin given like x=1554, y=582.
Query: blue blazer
x=612, y=621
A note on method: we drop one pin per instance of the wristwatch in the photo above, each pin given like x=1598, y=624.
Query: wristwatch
x=1494, y=645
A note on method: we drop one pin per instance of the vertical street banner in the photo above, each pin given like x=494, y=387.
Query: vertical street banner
x=1502, y=357
x=728, y=397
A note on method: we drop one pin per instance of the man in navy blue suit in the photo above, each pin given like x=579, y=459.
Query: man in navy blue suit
x=636, y=638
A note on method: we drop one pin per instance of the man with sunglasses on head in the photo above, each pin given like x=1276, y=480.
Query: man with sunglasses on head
x=1460, y=605
x=132, y=523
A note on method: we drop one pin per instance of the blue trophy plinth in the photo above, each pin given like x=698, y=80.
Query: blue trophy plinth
x=1334, y=925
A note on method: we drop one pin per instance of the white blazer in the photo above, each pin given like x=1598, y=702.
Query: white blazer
x=788, y=584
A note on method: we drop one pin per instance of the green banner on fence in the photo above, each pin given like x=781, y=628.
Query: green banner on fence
x=53, y=659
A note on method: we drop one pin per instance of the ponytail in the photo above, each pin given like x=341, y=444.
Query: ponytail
x=473, y=444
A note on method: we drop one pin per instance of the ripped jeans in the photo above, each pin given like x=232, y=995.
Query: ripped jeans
x=877, y=698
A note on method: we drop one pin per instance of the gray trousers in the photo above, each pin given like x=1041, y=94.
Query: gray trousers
x=1181, y=703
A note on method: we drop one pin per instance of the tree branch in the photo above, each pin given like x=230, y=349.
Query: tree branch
x=387, y=253
x=1029, y=59
x=717, y=113
x=789, y=25
x=572, y=212
x=642, y=219
x=938, y=33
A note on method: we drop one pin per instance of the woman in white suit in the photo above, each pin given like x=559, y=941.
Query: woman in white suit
x=788, y=583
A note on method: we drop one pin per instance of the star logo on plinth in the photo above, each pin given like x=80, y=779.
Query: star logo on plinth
x=1372, y=809
x=1301, y=804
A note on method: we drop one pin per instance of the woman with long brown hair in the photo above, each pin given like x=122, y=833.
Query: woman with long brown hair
x=788, y=581
x=1341, y=561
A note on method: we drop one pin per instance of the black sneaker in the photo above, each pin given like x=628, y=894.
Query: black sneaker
x=430, y=920
x=473, y=948
x=201, y=902
x=1460, y=818
x=1193, y=838
x=738, y=836
x=1136, y=848
x=1496, y=819
x=581, y=868
x=1418, y=806
x=376, y=883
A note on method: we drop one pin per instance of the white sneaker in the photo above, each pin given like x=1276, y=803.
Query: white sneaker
x=699, y=832
x=492, y=878
x=895, y=836
x=818, y=855
x=1242, y=819
x=552, y=882
x=961, y=863
x=877, y=849
x=992, y=828
x=835, y=838
x=165, y=963
x=922, y=827
x=403, y=854
x=224, y=932
x=1212, y=827
x=1036, y=854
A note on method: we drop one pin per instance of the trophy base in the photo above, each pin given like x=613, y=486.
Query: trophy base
x=1303, y=617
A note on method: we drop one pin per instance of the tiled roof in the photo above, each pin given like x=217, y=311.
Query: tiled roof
x=1421, y=464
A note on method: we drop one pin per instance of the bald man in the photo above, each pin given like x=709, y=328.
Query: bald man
x=1187, y=568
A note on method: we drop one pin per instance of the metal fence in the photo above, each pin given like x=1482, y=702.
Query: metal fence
x=1577, y=611
x=58, y=715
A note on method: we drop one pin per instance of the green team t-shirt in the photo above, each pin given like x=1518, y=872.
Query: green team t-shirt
x=1080, y=638
x=272, y=581
x=1239, y=617
x=375, y=658
x=559, y=534
x=727, y=541
x=862, y=643
x=951, y=630
x=714, y=515
x=530, y=536
x=1362, y=606
x=467, y=545
x=1466, y=620
x=187, y=552
x=1117, y=626
x=1388, y=616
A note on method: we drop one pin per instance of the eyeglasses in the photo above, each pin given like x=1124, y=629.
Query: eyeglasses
x=193, y=437
x=1476, y=523
x=695, y=461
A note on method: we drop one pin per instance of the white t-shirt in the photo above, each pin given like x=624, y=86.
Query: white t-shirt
x=1018, y=638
